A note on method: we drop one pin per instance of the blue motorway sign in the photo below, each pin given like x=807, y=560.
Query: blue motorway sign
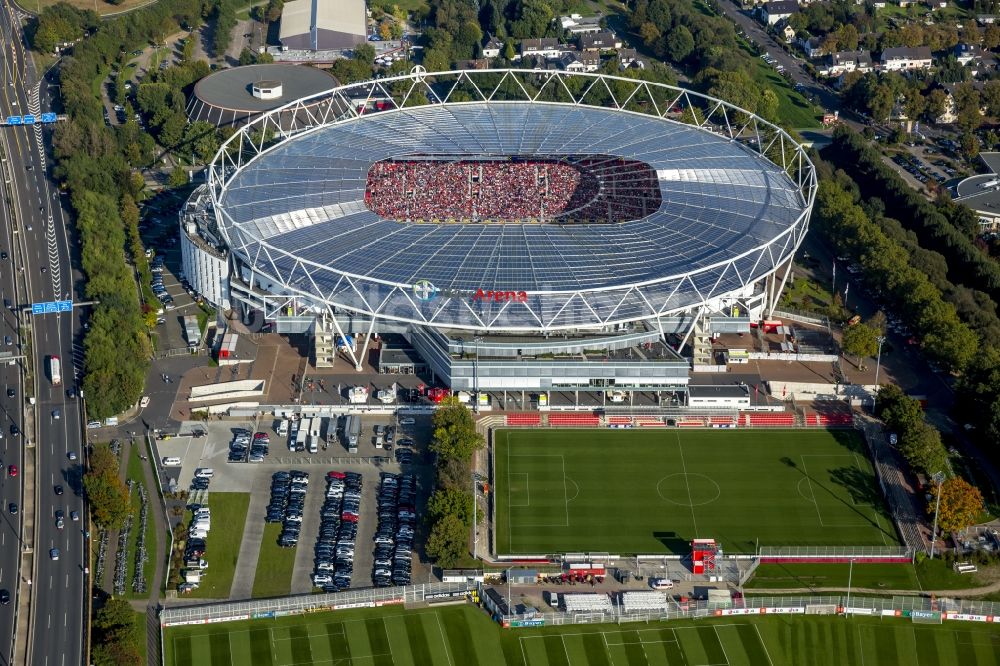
x=28, y=120
x=48, y=117
x=13, y=120
x=51, y=306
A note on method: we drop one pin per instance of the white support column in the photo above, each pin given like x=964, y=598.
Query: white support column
x=775, y=296
x=694, y=322
x=364, y=350
x=340, y=332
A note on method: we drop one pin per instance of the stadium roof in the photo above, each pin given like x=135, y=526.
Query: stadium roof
x=728, y=216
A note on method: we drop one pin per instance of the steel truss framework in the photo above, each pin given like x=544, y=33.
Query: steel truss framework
x=544, y=310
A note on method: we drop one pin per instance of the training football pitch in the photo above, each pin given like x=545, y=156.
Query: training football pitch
x=464, y=636
x=652, y=491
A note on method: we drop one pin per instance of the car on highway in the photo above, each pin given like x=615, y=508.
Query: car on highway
x=54, y=554
x=56, y=414
x=60, y=519
x=4, y=597
x=12, y=470
x=11, y=392
x=3, y=254
x=59, y=490
x=12, y=507
x=74, y=516
x=7, y=340
x=14, y=430
x=71, y=455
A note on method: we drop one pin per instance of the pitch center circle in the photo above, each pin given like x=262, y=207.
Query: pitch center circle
x=688, y=489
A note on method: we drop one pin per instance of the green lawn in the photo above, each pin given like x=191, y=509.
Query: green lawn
x=794, y=110
x=229, y=515
x=134, y=472
x=885, y=576
x=463, y=635
x=652, y=491
x=274, y=566
x=139, y=619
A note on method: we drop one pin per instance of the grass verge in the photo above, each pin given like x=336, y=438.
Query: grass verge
x=274, y=565
x=229, y=515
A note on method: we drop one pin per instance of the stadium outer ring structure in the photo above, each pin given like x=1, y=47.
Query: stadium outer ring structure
x=398, y=301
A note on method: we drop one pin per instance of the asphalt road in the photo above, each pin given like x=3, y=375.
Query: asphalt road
x=43, y=262
x=10, y=447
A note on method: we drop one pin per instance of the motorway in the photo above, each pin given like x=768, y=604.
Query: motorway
x=40, y=249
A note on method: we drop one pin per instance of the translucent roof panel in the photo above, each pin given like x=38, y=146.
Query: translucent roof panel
x=303, y=201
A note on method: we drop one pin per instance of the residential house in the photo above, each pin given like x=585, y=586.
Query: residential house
x=788, y=33
x=905, y=3
x=599, y=41
x=904, y=58
x=631, y=58
x=545, y=47
x=950, y=114
x=493, y=48
x=478, y=63
x=580, y=62
x=937, y=4
x=811, y=46
x=778, y=10
x=966, y=53
x=842, y=62
x=580, y=25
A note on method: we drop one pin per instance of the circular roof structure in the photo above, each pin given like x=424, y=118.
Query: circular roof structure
x=224, y=97
x=720, y=215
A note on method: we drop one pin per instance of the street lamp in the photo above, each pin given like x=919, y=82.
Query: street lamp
x=938, y=478
x=878, y=363
x=850, y=575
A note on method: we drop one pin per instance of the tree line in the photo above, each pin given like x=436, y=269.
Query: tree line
x=99, y=167
x=450, y=512
x=947, y=227
x=887, y=268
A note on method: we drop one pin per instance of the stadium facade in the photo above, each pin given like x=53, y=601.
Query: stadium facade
x=644, y=219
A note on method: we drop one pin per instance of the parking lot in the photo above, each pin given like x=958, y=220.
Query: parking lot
x=211, y=450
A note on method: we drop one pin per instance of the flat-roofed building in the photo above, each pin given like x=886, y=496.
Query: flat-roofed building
x=323, y=25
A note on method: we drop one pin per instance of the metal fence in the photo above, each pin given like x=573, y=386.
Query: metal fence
x=846, y=552
x=308, y=603
x=956, y=609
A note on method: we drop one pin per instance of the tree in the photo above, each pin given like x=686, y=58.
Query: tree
x=961, y=504
x=247, y=57
x=178, y=177
x=106, y=494
x=364, y=53
x=450, y=502
x=455, y=433
x=116, y=637
x=448, y=541
x=862, y=341
x=508, y=51
x=679, y=44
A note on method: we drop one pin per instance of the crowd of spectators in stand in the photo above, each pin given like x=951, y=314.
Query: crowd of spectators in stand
x=577, y=189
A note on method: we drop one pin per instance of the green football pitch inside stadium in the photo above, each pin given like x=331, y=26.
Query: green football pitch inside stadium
x=653, y=491
x=465, y=636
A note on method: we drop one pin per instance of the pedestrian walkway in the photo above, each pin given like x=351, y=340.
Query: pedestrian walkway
x=253, y=535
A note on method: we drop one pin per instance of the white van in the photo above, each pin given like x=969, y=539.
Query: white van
x=204, y=473
x=283, y=427
x=194, y=533
x=171, y=461
x=313, y=444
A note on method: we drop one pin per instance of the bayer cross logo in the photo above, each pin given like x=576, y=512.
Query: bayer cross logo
x=424, y=290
